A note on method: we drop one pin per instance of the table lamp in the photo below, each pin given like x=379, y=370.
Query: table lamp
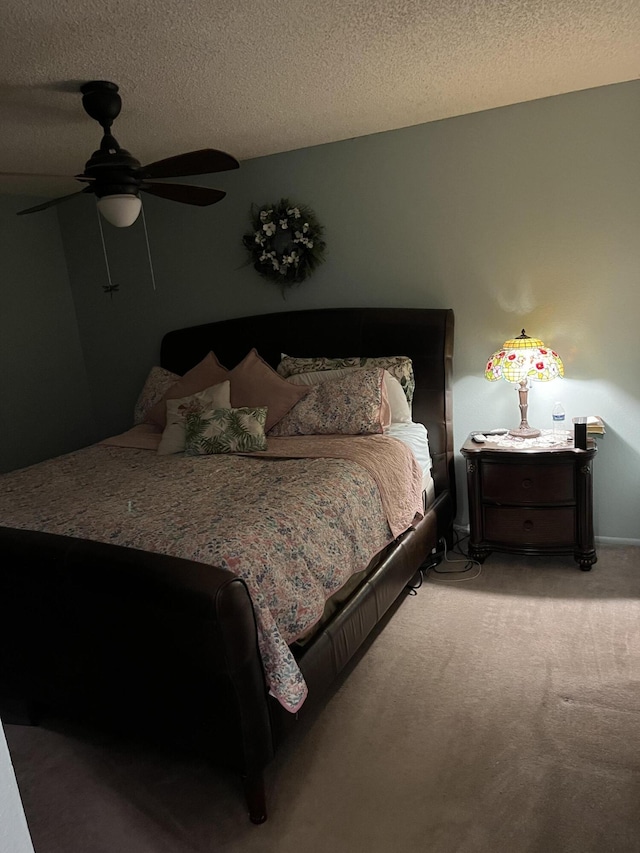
x=521, y=360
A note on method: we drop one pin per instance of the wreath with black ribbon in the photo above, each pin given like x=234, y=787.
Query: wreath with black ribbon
x=285, y=242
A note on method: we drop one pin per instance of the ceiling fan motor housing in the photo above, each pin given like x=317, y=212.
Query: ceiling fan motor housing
x=116, y=186
x=114, y=169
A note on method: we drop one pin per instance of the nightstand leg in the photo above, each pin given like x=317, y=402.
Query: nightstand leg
x=479, y=554
x=586, y=556
x=585, y=561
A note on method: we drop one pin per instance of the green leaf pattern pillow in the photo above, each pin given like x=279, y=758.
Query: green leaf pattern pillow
x=399, y=366
x=173, y=437
x=226, y=431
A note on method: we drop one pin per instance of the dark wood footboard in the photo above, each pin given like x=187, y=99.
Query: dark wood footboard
x=143, y=643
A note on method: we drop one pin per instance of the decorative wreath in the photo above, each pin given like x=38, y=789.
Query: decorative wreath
x=286, y=242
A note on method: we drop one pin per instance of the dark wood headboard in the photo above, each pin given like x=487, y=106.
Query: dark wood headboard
x=423, y=334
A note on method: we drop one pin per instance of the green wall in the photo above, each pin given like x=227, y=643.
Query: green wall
x=45, y=408
x=524, y=216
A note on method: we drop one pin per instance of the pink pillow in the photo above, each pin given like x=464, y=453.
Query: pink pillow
x=206, y=373
x=254, y=384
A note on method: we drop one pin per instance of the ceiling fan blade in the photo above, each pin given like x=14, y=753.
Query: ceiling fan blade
x=185, y=193
x=53, y=201
x=203, y=162
x=32, y=175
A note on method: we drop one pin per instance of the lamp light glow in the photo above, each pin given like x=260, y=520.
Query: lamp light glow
x=520, y=361
x=120, y=210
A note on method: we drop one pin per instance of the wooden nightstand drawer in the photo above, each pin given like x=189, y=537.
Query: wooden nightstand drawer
x=527, y=483
x=528, y=526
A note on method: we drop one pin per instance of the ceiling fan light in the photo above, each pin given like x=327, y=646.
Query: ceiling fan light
x=120, y=210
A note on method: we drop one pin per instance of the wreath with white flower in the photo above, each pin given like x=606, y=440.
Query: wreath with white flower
x=285, y=242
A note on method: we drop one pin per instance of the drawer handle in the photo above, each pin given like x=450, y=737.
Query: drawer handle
x=526, y=484
x=528, y=525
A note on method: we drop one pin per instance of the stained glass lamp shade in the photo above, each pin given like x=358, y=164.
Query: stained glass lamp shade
x=522, y=360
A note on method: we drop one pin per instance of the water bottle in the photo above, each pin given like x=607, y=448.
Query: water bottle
x=557, y=416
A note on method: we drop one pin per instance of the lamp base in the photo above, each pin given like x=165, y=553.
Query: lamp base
x=525, y=432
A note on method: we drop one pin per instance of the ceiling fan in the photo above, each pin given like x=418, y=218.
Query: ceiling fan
x=117, y=178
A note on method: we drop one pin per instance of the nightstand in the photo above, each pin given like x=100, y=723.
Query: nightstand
x=530, y=500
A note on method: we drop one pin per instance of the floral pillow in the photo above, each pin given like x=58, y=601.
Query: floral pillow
x=155, y=387
x=399, y=366
x=355, y=404
x=400, y=411
x=226, y=431
x=206, y=373
x=174, y=435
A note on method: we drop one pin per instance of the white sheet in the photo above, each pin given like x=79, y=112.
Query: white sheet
x=415, y=436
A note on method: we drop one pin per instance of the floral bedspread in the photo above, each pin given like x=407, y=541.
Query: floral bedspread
x=294, y=529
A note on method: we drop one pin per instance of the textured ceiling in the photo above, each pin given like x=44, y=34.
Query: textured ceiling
x=253, y=77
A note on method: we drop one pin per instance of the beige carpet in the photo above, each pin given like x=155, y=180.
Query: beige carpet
x=499, y=714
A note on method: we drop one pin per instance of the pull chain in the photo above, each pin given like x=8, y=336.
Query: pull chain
x=110, y=288
x=146, y=237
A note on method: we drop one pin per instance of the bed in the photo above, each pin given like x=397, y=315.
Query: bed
x=168, y=647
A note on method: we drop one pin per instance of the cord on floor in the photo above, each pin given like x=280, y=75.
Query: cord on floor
x=412, y=588
x=428, y=568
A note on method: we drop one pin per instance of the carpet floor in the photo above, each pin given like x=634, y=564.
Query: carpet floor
x=501, y=713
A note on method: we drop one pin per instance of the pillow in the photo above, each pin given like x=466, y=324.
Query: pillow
x=255, y=384
x=398, y=402
x=399, y=408
x=173, y=437
x=156, y=385
x=206, y=373
x=226, y=431
x=399, y=366
x=351, y=405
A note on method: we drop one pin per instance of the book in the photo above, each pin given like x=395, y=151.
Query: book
x=595, y=424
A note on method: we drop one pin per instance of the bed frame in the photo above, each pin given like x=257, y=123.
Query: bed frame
x=167, y=648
